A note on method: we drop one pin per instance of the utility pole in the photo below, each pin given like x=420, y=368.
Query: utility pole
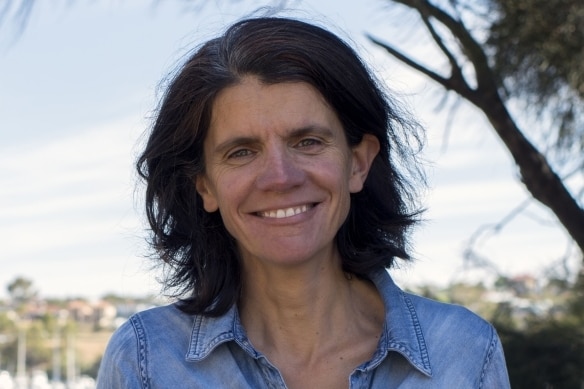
x=56, y=355
x=21, y=380
x=71, y=368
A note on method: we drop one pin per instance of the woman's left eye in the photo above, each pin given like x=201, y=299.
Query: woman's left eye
x=308, y=142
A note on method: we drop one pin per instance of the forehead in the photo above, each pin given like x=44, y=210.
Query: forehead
x=252, y=107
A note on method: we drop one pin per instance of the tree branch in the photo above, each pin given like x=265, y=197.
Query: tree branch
x=470, y=47
x=536, y=173
x=445, y=82
x=455, y=69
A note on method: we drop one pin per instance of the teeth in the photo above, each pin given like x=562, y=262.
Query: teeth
x=287, y=212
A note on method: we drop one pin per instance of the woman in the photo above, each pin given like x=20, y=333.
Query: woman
x=280, y=186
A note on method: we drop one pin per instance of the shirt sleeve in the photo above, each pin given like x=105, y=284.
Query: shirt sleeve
x=495, y=374
x=122, y=365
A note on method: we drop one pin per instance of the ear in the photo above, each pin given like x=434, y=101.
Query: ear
x=362, y=157
x=206, y=192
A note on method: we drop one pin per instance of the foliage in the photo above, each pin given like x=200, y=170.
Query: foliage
x=539, y=44
x=543, y=349
x=546, y=355
x=37, y=352
x=21, y=290
x=537, y=50
x=92, y=369
x=576, y=303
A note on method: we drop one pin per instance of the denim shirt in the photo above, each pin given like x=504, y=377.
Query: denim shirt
x=424, y=344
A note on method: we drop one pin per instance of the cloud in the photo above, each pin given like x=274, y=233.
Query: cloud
x=70, y=199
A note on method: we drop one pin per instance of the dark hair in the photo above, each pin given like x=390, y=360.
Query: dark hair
x=201, y=256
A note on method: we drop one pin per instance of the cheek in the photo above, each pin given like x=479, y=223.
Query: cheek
x=231, y=191
x=338, y=180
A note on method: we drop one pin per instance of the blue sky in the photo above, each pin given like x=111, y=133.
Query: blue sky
x=77, y=89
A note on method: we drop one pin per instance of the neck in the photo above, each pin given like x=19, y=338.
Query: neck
x=306, y=311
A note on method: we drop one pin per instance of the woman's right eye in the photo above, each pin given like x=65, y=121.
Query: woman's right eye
x=240, y=153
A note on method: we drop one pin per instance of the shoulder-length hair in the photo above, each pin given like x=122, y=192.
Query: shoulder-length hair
x=201, y=258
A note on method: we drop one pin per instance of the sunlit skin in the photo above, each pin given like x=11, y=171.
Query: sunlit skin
x=279, y=170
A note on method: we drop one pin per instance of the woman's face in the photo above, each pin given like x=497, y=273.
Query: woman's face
x=279, y=170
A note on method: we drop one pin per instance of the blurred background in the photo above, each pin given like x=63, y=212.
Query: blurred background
x=501, y=101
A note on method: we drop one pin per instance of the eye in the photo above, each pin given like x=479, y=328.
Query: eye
x=239, y=153
x=309, y=142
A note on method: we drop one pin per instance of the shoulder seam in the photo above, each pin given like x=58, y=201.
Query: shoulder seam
x=488, y=356
x=142, y=349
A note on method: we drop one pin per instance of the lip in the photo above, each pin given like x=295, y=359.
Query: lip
x=285, y=212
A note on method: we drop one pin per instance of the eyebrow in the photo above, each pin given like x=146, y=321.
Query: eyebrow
x=310, y=129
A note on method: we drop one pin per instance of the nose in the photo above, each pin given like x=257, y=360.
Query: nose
x=280, y=171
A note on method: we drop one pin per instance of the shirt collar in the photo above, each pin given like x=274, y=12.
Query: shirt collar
x=210, y=332
x=402, y=331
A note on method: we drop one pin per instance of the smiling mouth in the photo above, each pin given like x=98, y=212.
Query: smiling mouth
x=285, y=212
